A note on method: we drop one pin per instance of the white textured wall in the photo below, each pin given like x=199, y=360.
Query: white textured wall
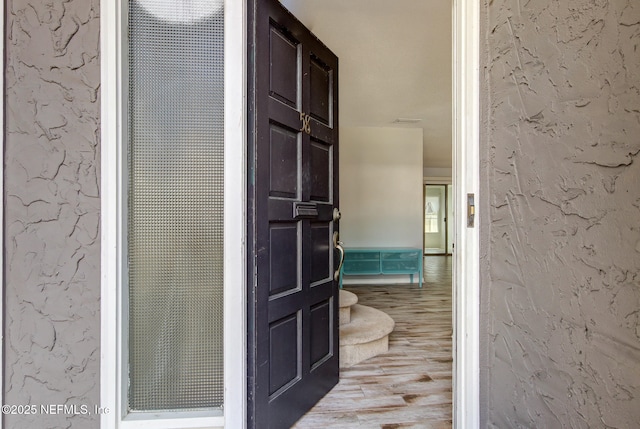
x=381, y=187
x=52, y=200
x=561, y=204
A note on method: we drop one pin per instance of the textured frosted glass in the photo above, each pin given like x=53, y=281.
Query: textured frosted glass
x=175, y=204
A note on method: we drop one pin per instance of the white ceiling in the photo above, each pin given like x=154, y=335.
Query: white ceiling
x=395, y=62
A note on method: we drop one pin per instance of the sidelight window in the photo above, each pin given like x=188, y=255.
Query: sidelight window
x=173, y=326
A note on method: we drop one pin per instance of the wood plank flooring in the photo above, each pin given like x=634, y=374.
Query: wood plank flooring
x=410, y=386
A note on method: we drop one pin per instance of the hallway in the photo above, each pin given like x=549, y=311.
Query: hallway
x=410, y=386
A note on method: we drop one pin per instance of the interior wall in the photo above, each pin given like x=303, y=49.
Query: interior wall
x=381, y=187
x=560, y=281
x=444, y=174
x=52, y=201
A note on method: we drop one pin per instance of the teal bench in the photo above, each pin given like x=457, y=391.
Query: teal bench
x=383, y=260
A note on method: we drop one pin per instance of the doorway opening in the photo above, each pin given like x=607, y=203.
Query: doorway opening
x=394, y=129
x=438, y=213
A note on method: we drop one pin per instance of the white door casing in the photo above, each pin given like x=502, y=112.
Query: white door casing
x=466, y=277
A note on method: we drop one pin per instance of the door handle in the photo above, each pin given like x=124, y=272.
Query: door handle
x=338, y=245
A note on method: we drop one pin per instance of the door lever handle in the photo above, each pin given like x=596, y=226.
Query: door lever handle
x=338, y=245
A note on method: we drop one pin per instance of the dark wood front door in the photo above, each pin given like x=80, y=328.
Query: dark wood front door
x=293, y=191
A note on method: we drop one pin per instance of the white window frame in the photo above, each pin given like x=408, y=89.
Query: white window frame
x=113, y=238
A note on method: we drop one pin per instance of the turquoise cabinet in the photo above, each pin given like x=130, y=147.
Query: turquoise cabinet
x=389, y=260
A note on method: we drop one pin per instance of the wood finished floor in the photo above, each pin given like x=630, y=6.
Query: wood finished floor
x=409, y=386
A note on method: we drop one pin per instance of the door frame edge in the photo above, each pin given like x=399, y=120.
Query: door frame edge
x=110, y=132
x=235, y=214
x=466, y=276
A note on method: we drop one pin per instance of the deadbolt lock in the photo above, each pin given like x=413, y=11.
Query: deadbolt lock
x=336, y=214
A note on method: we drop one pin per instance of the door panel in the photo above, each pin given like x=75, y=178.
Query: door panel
x=321, y=248
x=321, y=85
x=284, y=349
x=284, y=154
x=321, y=347
x=283, y=257
x=321, y=171
x=284, y=72
x=292, y=184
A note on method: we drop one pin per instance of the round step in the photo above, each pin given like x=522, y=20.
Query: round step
x=366, y=336
x=346, y=298
x=367, y=324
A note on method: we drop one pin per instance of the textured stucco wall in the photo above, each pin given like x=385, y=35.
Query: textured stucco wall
x=52, y=331
x=561, y=236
